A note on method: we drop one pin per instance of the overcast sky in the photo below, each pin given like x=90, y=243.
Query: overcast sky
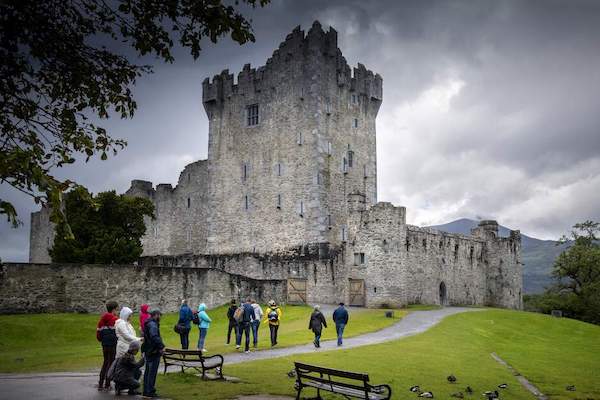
x=491, y=109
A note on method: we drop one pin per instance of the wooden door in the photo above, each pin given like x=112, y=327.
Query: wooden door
x=296, y=291
x=357, y=292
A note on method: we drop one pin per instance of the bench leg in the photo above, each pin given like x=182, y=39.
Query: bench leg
x=298, y=393
x=165, y=368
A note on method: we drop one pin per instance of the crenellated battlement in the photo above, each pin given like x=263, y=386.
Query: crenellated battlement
x=303, y=50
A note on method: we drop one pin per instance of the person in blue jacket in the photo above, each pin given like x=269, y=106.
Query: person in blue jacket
x=203, y=325
x=153, y=348
x=340, y=317
x=185, y=323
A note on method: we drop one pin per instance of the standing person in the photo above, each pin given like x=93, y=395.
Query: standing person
x=153, y=349
x=143, y=317
x=245, y=324
x=233, y=324
x=258, y=314
x=203, y=326
x=316, y=323
x=105, y=333
x=340, y=317
x=125, y=331
x=185, y=323
x=128, y=371
x=273, y=314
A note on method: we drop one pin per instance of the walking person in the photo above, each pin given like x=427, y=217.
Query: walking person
x=233, y=324
x=273, y=316
x=153, y=349
x=143, y=317
x=316, y=324
x=127, y=371
x=340, y=318
x=203, y=326
x=125, y=331
x=258, y=314
x=245, y=325
x=106, y=335
x=185, y=324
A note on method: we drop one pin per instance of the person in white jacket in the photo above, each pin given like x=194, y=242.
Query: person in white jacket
x=125, y=331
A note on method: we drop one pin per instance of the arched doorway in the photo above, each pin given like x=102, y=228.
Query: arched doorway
x=443, y=296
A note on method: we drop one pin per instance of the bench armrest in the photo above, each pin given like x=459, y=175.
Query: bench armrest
x=380, y=389
x=214, y=356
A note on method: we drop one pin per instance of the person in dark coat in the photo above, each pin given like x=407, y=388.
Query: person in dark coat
x=340, y=317
x=153, y=349
x=244, y=328
x=107, y=336
x=233, y=324
x=316, y=324
x=127, y=371
x=185, y=321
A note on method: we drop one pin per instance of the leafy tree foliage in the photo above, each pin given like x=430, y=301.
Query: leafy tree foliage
x=577, y=274
x=106, y=229
x=58, y=71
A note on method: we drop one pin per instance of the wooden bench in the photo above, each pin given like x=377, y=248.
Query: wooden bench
x=348, y=384
x=193, y=359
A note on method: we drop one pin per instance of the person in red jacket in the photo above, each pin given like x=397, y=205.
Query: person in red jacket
x=143, y=316
x=105, y=333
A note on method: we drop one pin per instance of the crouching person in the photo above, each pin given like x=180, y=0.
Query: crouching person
x=127, y=371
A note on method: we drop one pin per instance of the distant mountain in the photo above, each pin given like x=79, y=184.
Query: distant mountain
x=537, y=255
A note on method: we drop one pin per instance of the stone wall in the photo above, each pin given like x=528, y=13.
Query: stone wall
x=31, y=288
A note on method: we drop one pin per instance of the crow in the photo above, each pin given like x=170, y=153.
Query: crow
x=415, y=389
x=469, y=390
x=451, y=378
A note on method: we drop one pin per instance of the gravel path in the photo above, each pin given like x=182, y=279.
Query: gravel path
x=66, y=386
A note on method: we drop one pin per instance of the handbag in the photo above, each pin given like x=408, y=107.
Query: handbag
x=179, y=328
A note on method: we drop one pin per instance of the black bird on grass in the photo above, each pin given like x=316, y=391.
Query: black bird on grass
x=469, y=390
x=415, y=389
x=503, y=386
x=491, y=395
x=570, y=388
x=451, y=378
x=427, y=395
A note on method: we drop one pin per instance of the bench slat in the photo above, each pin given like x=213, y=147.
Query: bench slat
x=345, y=391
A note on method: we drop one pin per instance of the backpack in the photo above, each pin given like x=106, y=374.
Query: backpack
x=195, y=319
x=238, y=315
x=273, y=315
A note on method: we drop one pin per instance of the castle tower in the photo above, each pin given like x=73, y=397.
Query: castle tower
x=287, y=144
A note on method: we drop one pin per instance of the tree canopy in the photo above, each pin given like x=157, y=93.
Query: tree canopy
x=106, y=229
x=59, y=73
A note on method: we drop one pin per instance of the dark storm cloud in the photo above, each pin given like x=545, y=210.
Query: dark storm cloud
x=491, y=108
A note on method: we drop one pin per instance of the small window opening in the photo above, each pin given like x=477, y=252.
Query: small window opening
x=300, y=140
x=365, y=175
x=355, y=122
x=301, y=209
x=328, y=105
x=252, y=115
x=188, y=202
x=329, y=148
x=374, y=289
x=246, y=202
x=354, y=98
x=407, y=244
x=424, y=243
x=279, y=201
x=279, y=169
x=350, y=158
x=189, y=177
x=344, y=165
x=344, y=234
x=329, y=224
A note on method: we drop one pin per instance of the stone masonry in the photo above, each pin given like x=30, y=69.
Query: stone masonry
x=289, y=192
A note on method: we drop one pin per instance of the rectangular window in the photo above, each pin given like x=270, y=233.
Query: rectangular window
x=189, y=236
x=359, y=258
x=188, y=202
x=350, y=158
x=301, y=209
x=328, y=106
x=252, y=115
x=365, y=175
x=278, y=169
x=362, y=258
x=246, y=202
x=319, y=178
x=329, y=221
x=299, y=140
x=244, y=172
x=355, y=122
x=155, y=231
x=343, y=234
x=344, y=165
x=279, y=201
x=354, y=99
x=329, y=148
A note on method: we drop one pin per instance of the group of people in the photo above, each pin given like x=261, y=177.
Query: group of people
x=121, y=344
x=244, y=321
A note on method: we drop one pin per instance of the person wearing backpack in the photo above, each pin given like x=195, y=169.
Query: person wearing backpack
x=184, y=324
x=203, y=326
x=273, y=316
x=316, y=324
x=107, y=336
x=246, y=323
x=233, y=324
x=258, y=314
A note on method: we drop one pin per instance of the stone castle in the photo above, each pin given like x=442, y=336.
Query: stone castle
x=289, y=193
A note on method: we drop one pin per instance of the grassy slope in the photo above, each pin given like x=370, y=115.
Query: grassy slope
x=67, y=342
x=551, y=353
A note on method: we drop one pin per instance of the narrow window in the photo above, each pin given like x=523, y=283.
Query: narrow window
x=188, y=202
x=278, y=169
x=355, y=122
x=362, y=258
x=189, y=178
x=246, y=203
x=189, y=236
x=356, y=258
x=245, y=172
x=424, y=243
x=343, y=233
x=354, y=99
x=301, y=209
x=329, y=221
x=328, y=105
x=350, y=158
x=319, y=178
x=344, y=165
x=365, y=175
x=299, y=140
x=279, y=201
x=155, y=231
x=252, y=115
x=329, y=148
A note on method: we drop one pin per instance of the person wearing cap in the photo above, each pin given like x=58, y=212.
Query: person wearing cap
x=316, y=324
x=340, y=317
x=185, y=323
x=153, y=349
x=273, y=316
x=125, y=331
x=127, y=371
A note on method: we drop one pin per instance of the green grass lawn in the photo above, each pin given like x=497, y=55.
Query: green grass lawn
x=552, y=353
x=67, y=342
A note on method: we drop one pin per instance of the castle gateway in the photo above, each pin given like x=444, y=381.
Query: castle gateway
x=289, y=192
